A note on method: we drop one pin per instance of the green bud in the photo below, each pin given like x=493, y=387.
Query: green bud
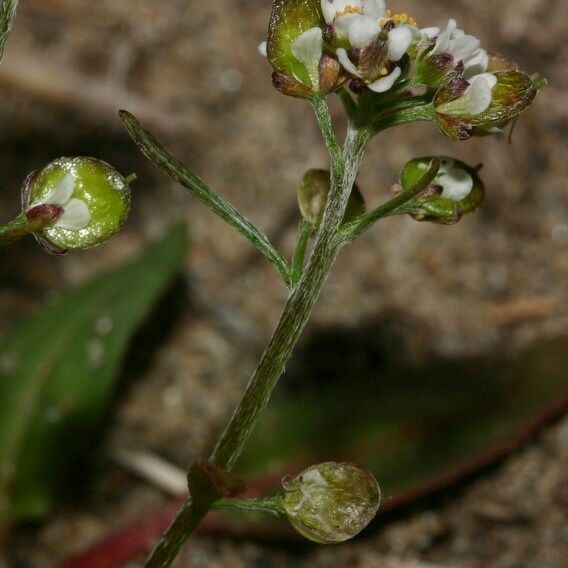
x=454, y=191
x=295, y=49
x=433, y=70
x=460, y=109
x=331, y=502
x=312, y=197
x=94, y=198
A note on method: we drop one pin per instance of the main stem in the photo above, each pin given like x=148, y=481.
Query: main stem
x=344, y=167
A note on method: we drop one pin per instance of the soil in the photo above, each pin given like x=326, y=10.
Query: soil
x=495, y=283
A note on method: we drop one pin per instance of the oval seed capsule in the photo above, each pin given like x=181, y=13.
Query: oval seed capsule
x=331, y=502
x=94, y=197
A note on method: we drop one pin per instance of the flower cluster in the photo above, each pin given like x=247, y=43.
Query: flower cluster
x=318, y=46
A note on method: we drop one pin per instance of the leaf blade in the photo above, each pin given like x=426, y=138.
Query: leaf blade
x=166, y=161
x=64, y=364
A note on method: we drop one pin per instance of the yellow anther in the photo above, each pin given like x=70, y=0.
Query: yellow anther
x=348, y=10
x=398, y=19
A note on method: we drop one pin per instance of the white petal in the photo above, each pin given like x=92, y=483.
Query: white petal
x=63, y=191
x=332, y=8
x=489, y=77
x=479, y=93
x=384, y=84
x=76, y=216
x=399, y=40
x=346, y=62
x=308, y=49
x=464, y=47
x=431, y=32
x=443, y=41
x=361, y=30
x=374, y=8
x=476, y=64
x=456, y=182
x=262, y=49
x=328, y=10
x=343, y=23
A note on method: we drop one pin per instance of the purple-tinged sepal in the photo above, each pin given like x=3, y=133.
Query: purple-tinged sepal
x=483, y=102
x=295, y=49
x=444, y=195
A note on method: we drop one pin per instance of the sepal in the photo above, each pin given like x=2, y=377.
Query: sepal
x=510, y=96
x=289, y=20
x=453, y=191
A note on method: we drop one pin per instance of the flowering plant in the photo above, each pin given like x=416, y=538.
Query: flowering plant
x=387, y=70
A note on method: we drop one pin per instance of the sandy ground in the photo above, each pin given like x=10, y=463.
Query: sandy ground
x=496, y=282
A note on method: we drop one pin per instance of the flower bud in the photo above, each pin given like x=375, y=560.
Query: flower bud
x=331, y=502
x=487, y=100
x=295, y=49
x=312, y=197
x=295, y=40
x=454, y=191
x=86, y=198
x=433, y=70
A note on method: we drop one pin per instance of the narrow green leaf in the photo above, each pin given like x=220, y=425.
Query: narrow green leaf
x=162, y=158
x=57, y=373
x=7, y=15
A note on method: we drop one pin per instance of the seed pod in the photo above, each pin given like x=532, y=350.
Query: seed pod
x=331, y=502
x=94, y=197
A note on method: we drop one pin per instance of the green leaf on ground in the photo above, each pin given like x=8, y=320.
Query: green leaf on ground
x=416, y=429
x=58, y=371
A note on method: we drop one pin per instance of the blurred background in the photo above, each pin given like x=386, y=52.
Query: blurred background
x=447, y=307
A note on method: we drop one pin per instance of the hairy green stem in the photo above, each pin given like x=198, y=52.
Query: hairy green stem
x=412, y=113
x=344, y=167
x=14, y=230
x=20, y=227
x=7, y=15
x=396, y=206
x=272, y=505
x=304, y=232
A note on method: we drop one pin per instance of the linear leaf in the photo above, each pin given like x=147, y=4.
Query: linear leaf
x=163, y=158
x=7, y=15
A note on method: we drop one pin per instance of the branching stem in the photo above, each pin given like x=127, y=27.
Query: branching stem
x=344, y=167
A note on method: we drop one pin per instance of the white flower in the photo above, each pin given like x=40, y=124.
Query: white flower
x=360, y=21
x=456, y=182
x=476, y=98
x=464, y=48
x=467, y=50
x=76, y=214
